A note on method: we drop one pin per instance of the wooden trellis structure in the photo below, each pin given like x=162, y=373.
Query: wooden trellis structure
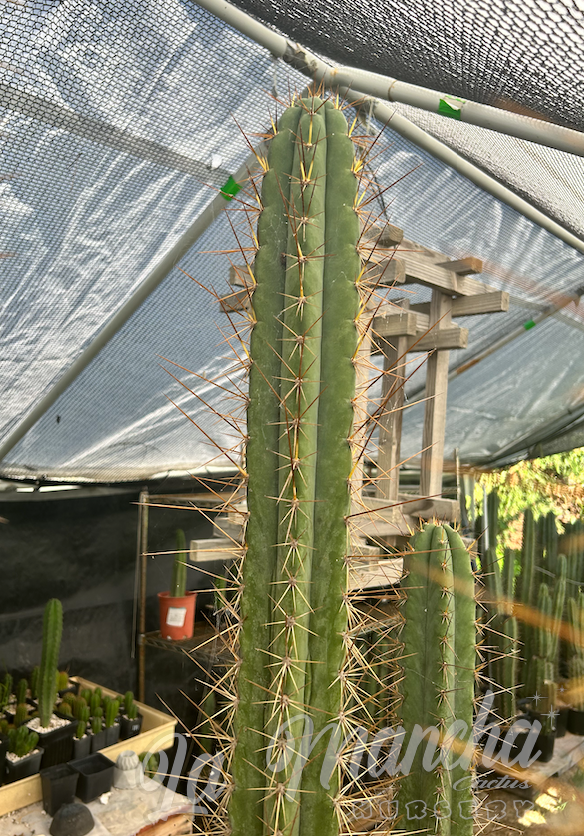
x=399, y=328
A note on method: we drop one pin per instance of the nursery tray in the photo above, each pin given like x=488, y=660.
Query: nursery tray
x=157, y=734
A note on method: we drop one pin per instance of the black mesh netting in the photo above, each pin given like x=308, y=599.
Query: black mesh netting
x=523, y=55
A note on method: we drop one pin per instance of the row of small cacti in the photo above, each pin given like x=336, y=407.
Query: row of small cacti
x=97, y=711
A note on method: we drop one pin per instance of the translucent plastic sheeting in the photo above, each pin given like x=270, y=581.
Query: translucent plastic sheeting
x=126, y=117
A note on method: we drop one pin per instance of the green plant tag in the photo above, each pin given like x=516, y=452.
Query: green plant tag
x=230, y=189
x=450, y=107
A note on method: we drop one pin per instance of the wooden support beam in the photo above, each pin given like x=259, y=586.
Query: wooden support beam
x=386, y=236
x=435, y=408
x=422, y=507
x=361, y=399
x=392, y=324
x=236, y=301
x=452, y=337
x=388, y=272
x=390, y=421
x=496, y=301
x=463, y=266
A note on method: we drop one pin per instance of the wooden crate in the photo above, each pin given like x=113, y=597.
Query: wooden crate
x=157, y=734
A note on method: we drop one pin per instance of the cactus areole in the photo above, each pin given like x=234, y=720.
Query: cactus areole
x=299, y=463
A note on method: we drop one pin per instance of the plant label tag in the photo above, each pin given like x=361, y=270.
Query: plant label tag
x=175, y=617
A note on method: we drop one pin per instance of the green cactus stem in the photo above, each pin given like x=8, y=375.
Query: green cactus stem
x=79, y=704
x=7, y=686
x=132, y=712
x=576, y=649
x=111, y=712
x=21, y=691
x=22, y=741
x=179, y=569
x=527, y=595
x=94, y=702
x=47, y=687
x=96, y=725
x=128, y=701
x=63, y=681
x=21, y=714
x=65, y=708
x=437, y=685
x=299, y=461
x=80, y=729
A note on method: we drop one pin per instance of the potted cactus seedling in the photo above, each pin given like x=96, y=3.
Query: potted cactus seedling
x=98, y=732
x=55, y=733
x=24, y=755
x=7, y=699
x=177, y=605
x=64, y=685
x=131, y=723
x=112, y=727
x=82, y=740
x=3, y=748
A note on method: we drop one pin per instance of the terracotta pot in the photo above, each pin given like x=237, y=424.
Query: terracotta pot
x=177, y=615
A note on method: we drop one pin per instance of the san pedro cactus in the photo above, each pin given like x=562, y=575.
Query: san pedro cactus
x=299, y=462
x=544, y=664
x=437, y=685
x=47, y=684
x=179, y=569
x=576, y=649
x=502, y=628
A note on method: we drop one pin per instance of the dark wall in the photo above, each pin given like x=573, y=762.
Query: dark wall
x=82, y=550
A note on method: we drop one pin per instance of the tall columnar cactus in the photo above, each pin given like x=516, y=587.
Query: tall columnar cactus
x=550, y=537
x=47, y=682
x=438, y=679
x=299, y=462
x=576, y=650
x=179, y=568
x=543, y=678
x=527, y=598
x=501, y=630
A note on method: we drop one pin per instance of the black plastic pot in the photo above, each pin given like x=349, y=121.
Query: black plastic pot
x=576, y=722
x=59, y=784
x=545, y=743
x=24, y=768
x=96, y=773
x=3, y=750
x=81, y=748
x=562, y=722
x=98, y=741
x=57, y=744
x=112, y=735
x=130, y=728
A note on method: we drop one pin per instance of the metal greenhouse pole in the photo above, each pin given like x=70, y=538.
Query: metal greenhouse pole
x=349, y=82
